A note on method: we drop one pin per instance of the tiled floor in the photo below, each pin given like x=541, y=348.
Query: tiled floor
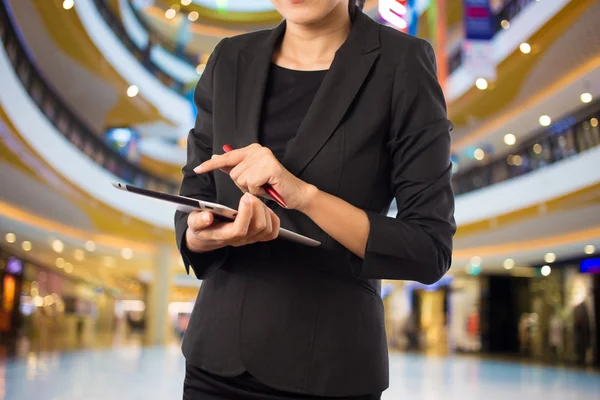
x=156, y=373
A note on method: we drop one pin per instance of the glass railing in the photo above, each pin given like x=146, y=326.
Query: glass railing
x=560, y=141
x=142, y=55
x=65, y=121
x=509, y=11
x=179, y=52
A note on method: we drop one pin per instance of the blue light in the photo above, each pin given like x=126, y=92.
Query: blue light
x=474, y=270
x=471, y=152
x=14, y=266
x=121, y=135
x=590, y=266
x=386, y=290
x=123, y=140
x=445, y=281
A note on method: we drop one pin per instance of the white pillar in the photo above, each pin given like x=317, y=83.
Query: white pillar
x=157, y=302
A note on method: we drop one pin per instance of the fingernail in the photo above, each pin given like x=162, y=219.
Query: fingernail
x=214, y=156
x=198, y=169
x=206, y=218
x=246, y=198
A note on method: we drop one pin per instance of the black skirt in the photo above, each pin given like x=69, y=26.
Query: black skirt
x=201, y=385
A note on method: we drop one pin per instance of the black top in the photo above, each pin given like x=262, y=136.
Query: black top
x=288, y=96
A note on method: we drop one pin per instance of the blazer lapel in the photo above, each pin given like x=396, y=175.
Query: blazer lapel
x=252, y=70
x=351, y=65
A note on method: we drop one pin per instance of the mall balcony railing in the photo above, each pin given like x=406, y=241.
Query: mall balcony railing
x=65, y=121
x=564, y=139
x=507, y=13
x=144, y=55
x=184, y=55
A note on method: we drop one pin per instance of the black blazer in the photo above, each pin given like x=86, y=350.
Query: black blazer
x=311, y=320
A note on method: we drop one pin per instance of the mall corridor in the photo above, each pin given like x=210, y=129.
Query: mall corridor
x=437, y=163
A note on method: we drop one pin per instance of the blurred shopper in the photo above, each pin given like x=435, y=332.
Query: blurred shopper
x=339, y=115
x=413, y=333
x=582, y=332
x=555, y=335
x=524, y=334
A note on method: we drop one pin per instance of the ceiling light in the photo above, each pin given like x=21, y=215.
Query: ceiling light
x=58, y=246
x=594, y=122
x=90, y=246
x=127, y=253
x=200, y=68
x=550, y=257
x=546, y=270
x=479, y=154
x=26, y=245
x=60, y=262
x=132, y=91
x=476, y=260
x=586, y=97
x=193, y=16
x=525, y=48
x=186, y=2
x=510, y=139
x=170, y=13
x=79, y=255
x=68, y=268
x=10, y=237
x=516, y=160
x=545, y=120
x=481, y=84
x=509, y=263
x=505, y=24
x=589, y=249
x=68, y=4
x=537, y=148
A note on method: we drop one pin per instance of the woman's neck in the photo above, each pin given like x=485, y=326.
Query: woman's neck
x=313, y=47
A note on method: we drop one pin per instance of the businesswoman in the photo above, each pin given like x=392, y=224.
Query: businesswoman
x=340, y=116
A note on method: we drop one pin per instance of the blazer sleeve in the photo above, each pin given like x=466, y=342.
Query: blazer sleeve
x=417, y=244
x=200, y=149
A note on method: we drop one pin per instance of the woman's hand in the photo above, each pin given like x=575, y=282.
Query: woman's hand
x=255, y=222
x=253, y=166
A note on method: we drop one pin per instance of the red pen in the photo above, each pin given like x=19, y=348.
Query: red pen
x=267, y=188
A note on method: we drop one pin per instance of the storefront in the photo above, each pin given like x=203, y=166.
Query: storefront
x=11, y=270
x=464, y=315
x=43, y=308
x=417, y=315
x=550, y=318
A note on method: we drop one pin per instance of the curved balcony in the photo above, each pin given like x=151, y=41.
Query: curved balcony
x=171, y=97
x=522, y=19
x=71, y=127
x=172, y=66
x=507, y=13
x=565, y=139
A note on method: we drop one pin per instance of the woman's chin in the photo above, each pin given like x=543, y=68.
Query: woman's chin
x=305, y=12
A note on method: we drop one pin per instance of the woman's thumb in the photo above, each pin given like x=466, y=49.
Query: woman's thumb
x=202, y=220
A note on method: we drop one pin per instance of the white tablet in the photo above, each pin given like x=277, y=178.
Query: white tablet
x=223, y=213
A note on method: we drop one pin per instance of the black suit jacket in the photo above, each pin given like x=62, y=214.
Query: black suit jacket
x=311, y=320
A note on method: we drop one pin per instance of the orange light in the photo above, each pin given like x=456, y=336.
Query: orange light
x=9, y=287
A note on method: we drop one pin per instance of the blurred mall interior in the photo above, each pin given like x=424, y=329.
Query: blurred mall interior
x=94, y=298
